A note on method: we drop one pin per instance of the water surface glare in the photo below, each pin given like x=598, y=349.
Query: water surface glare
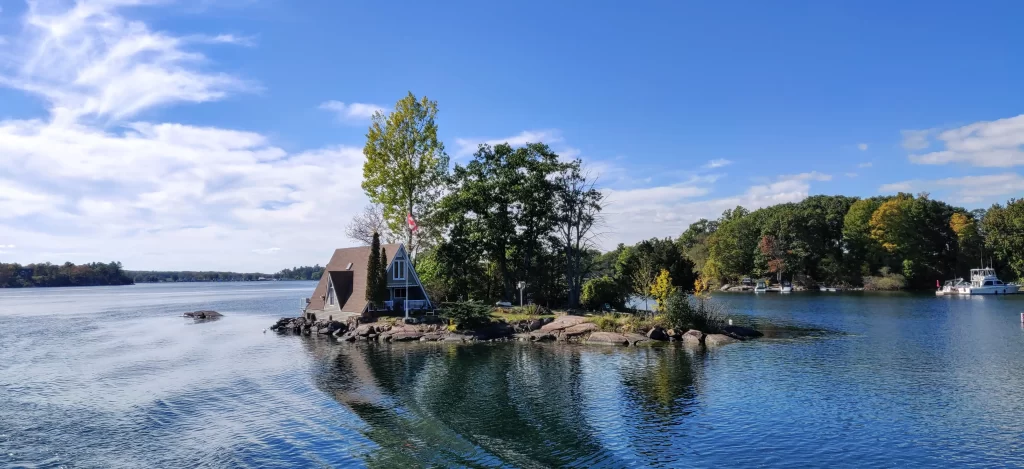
x=112, y=377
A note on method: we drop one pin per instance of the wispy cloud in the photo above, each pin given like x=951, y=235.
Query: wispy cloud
x=467, y=146
x=851, y=175
x=89, y=61
x=862, y=146
x=718, y=163
x=88, y=178
x=966, y=189
x=354, y=112
x=267, y=250
x=998, y=143
x=865, y=165
x=916, y=139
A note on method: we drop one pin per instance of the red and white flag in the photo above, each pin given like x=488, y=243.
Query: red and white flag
x=412, y=223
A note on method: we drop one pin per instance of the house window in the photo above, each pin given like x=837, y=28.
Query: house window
x=399, y=270
x=399, y=293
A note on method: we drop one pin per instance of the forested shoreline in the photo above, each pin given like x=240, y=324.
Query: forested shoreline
x=13, y=275
x=63, y=275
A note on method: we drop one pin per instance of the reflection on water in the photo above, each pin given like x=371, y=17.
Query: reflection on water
x=527, y=405
x=114, y=377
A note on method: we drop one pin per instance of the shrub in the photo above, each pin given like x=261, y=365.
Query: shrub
x=699, y=312
x=662, y=290
x=600, y=291
x=886, y=280
x=466, y=314
x=606, y=322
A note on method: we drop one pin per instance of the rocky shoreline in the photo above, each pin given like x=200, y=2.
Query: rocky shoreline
x=566, y=328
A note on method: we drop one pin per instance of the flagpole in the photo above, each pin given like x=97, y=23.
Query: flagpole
x=406, y=273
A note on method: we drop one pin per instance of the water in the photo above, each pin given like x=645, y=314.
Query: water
x=111, y=377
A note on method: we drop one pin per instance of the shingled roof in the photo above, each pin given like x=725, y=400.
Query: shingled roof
x=340, y=261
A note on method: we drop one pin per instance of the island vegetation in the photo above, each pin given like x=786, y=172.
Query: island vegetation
x=522, y=213
x=295, y=273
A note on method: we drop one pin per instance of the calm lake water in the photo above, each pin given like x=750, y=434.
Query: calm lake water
x=111, y=377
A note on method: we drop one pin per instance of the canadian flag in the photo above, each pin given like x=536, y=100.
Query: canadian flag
x=412, y=222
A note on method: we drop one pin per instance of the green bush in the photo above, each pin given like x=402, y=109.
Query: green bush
x=886, y=280
x=684, y=312
x=606, y=322
x=600, y=291
x=466, y=314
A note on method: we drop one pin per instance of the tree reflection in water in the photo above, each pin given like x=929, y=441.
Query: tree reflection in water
x=525, y=405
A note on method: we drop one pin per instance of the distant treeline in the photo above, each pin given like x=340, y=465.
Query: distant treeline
x=295, y=273
x=901, y=241
x=65, y=275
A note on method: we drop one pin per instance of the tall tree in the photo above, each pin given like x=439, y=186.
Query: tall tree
x=1004, y=228
x=382, y=279
x=406, y=166
x=373, y=271
x=577, y=207
x=364, y=226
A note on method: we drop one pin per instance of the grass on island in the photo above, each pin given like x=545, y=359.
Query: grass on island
x=521, y=313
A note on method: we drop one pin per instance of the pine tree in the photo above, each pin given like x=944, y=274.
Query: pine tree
x=382, y=271
x=372, y=274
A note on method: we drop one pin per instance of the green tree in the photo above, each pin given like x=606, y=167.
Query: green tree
x=382, y=279
x=373, y=271
x=600, y=291
x=406, y=166
x=1004, y=229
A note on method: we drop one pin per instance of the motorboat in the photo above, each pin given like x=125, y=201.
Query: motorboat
x=786, y=288
x=985, y=282
x=951, y=287
x=761, y=287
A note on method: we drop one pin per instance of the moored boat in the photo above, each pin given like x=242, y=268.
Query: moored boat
x=985, y=282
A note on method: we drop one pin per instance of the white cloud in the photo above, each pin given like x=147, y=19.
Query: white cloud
x=468, y=146
x=851, y=175
x=89, y=183
x=355, y=112
x=718, y=163
x=89, y=61
x=916, y=139
x=862, y=146
x=998, y=143
x=267, y=251
x=865, y=165
x=965, y=189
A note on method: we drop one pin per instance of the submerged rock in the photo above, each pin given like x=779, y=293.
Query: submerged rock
x=741, y=333
x=714, y=340
x=204, y=315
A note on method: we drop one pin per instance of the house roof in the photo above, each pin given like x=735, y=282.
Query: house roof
x=340, y=261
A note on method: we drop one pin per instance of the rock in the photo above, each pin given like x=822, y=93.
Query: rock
x=578, y=329
x=204, y=315
x=542, y=337
x=714, y=340
x=456, y=338
x=563, y=322
x=432, y=337
x=693, y=337
x=405, y=336
x=657, y=334
x=536, y=324
x=494, y=331
x=637, y=339
x=523, y=336
x=323, y=330
x=607, y=338
x=364, y=330
x=741, y=333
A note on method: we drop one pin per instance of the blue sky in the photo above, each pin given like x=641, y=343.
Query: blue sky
x=200, y=134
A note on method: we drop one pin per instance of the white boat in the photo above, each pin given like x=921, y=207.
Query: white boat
x=951, y=287
x=761, y=287
x=786, y=288
x=985, y=282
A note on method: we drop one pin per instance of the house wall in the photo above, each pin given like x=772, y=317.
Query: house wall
x=391, y=272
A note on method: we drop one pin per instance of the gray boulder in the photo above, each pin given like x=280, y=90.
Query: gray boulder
x=714, y=340
x=204, y=315
x=578, y=330
x=607, y=338
x=693, y=337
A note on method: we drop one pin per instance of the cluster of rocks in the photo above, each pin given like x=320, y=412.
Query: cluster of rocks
x=204, y=315
x=577, y=329
x=568, y=328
